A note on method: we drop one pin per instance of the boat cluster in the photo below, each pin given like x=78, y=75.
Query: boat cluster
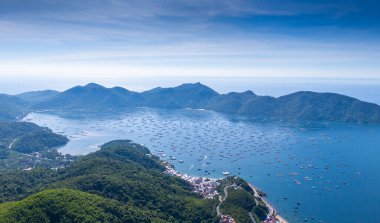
x=298, y=155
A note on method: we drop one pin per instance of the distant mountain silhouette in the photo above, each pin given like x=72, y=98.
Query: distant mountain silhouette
x=94, y=96
x=230, y=103
x=183, y=96
x=309, y=106
x=37, y=96
x=91, y=96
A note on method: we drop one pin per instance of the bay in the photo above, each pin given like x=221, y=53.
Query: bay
x=322, y=172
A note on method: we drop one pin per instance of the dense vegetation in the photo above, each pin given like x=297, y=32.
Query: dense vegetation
x=241, y=201
x=38, y=141
x=28, y=137
x=27, y=145
x=65, y=205
x=18, y=184
x=238, y=204
x=121, y=172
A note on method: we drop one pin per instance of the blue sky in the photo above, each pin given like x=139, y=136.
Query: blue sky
x=121, y=41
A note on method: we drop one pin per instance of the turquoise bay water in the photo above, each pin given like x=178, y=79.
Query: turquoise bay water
x=333, y=169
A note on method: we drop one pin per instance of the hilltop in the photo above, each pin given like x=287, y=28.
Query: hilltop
x=122, y=182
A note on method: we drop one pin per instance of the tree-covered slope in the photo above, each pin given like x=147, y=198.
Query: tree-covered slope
x=240, y=202
x=65, y=205
x=25, y=145
x=26, y=137
x=123, y=172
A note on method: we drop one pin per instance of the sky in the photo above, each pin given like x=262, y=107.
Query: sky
x=228, y=44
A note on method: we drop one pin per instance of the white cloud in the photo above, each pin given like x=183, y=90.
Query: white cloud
x=102, y=39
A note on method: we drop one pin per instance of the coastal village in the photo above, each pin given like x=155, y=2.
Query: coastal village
x=204, y=186
x=207, y=188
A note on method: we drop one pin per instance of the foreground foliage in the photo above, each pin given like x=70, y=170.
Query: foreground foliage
x=238, y=204
x=64, y=205
x=120, y=173
x=241, y=201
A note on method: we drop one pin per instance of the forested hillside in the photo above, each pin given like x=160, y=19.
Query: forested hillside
x=26, y=137
x=122, y=178
x=26, y=145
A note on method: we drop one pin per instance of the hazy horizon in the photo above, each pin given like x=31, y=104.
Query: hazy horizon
x=363, y=89
x=111, y=41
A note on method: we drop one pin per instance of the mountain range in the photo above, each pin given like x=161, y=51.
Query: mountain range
x=304, y=105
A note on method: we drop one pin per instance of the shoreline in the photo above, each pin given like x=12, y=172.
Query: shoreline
x=206, y=187
x=273, y=215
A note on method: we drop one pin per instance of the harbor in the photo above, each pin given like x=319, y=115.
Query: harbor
x=297, y=164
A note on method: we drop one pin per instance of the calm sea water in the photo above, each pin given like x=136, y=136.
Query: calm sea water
x=333, y=169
